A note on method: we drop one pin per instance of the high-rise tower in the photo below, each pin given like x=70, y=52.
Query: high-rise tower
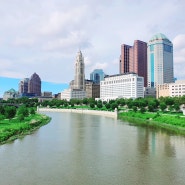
x=134, y=59
x=79, y=81
x=34, y=85
x=23, y=85
x=160, y=60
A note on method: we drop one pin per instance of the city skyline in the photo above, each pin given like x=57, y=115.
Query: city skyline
x=45, y=36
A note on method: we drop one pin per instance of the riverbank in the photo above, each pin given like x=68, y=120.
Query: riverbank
x=81, y=111
x=173, y=124
x=11, y=130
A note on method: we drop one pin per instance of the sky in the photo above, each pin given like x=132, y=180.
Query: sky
x=45, y=36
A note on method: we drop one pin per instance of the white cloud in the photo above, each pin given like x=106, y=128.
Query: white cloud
x=179, y=41
x=45, y=36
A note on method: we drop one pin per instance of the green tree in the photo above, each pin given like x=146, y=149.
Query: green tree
x=32, y=111
x=92, y=105
x=114, y=105
x=142, y=110
x=134, y=108
x=10, y=112
x=163, y=106
x=23, y=110
x=107, y=106
x=176, y=106
x=99, y=105
x=150, y=108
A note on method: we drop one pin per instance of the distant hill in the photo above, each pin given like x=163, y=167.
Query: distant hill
x=8, y=83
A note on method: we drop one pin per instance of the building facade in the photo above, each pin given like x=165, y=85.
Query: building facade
x=68, y=94
x=12, y=93
x=134, y=59
x=97, y=75
x=79, y=80
x=160, y=60
x=128, y=85
x=176, y=89
x=92, y=90
x=23, y=85
x=34, y=85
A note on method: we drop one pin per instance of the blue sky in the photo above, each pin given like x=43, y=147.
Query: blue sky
x=45, y=36
x=8, y=83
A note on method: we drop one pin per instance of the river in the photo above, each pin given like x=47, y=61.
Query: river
x=77, y=149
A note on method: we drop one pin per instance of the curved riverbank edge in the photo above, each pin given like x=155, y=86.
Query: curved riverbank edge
x=32, y=126
x=81, y=111
x=173, y=129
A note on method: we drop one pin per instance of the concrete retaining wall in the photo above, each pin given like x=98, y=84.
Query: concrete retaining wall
x=81, y=111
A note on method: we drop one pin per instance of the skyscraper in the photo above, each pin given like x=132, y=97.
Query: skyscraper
x=134, y=59
x=79, y=81
x=34, y=85
x=23, y=85
x=160, y=60
x=97, y=75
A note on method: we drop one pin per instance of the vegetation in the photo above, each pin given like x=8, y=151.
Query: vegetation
x=163, y=112
x=18, y=118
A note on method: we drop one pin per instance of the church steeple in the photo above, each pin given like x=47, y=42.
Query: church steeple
x=79, y=81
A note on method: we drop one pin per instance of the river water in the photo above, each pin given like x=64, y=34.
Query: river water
x=76, y=149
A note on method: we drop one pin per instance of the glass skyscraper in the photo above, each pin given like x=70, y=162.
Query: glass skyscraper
x=97, y=75
x=160, y=60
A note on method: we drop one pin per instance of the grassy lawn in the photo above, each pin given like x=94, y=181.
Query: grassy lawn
x=173, y=122
x=13, y=129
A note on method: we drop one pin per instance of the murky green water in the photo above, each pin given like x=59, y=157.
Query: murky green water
x=77, y=149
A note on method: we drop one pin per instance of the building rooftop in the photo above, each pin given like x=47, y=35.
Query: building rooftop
x=159, y=36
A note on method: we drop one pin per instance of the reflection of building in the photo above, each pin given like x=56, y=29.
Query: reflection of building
x=34, y=85
x=160, y=60
x=97, y=75
x=128, y=85
x=171, y=89
x=10, y=94
x=134, y=59
x=23, y=85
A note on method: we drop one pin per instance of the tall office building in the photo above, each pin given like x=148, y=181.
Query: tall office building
x=160, y=60
x=97, y=75
x=77, y=86
x=79, y=81
x=34, y=85
x=23, y=85
x=133, y=59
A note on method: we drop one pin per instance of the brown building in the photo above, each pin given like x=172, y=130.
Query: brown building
x=34, y=85
x=92, y=89
x=134, y=59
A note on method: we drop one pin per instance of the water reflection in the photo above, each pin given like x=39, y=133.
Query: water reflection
x=86, y=150
x=150, y=141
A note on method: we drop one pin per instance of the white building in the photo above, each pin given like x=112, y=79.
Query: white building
x=68, y=94
x=171, y=89
x=128, y=85
x=160, y=60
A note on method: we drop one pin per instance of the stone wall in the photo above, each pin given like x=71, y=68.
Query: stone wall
x=81, y=111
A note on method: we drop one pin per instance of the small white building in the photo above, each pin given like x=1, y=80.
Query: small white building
x=128, y=85
x=176, y=89
x=68, y=94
